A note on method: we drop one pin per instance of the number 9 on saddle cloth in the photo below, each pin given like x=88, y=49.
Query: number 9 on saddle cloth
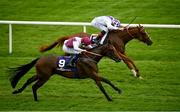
x=67, y=63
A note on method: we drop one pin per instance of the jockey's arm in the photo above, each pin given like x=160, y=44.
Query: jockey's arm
x=76, y=45
x=121, y=28
x=110, y=26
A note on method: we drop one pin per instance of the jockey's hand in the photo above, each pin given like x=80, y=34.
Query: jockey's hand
x=83, y=51
x=121, y=28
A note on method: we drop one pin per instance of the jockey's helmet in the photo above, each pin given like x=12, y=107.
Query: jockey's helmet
x=116, y=23
x=86, y=40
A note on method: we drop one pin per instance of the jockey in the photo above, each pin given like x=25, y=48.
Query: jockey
x=72, y=46
x=105, y=23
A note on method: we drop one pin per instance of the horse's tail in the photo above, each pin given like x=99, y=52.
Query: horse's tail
x=18, y=72
x=58, y=42
x=48, y=47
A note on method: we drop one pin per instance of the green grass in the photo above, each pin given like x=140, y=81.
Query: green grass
x=159, y=64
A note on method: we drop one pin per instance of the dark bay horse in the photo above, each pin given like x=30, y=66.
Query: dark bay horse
x=47, y=66
x=119, y=39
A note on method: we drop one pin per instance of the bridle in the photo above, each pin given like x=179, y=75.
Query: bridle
x=130, y=34
x=88, y=52
x=127, y=29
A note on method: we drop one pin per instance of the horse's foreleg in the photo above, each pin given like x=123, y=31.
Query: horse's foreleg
x=103, y=90
x=133, y=69
x=130, y=65
x=29, y=81
x=112, y=85
x=98, y=80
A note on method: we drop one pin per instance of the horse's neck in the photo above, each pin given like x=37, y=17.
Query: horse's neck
x=120, y=37
x=98, y=50
x=129, y=35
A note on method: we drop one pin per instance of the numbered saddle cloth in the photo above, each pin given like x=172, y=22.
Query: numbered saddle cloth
x=62, y=64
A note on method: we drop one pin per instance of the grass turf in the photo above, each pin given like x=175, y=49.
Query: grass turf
x=158, y=64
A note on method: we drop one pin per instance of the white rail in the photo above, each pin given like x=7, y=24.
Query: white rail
x=84, y=24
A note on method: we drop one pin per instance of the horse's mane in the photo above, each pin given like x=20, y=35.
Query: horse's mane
x=60, y=41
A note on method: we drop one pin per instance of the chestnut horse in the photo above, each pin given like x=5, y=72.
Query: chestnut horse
x=119, y=39
x=47, y=66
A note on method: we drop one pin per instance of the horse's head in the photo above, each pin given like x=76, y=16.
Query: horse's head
x=143, y=36
x=111, y=52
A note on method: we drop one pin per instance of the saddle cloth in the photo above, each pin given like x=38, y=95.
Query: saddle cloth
x=62, y=64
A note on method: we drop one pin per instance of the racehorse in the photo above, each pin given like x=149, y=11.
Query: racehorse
x=47, y=66
x=119, y=39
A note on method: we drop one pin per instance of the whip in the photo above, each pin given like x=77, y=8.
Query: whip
x=131, y=21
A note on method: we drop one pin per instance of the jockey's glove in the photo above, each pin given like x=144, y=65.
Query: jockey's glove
x=83, y=50
x=121, y=29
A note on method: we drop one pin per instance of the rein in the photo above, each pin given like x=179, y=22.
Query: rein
x=129, y=33
x=93, y=53
x=128, y=26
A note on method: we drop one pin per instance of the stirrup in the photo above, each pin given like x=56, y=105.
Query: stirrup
x=72, y=61
x=96, y=41
x=70, y=65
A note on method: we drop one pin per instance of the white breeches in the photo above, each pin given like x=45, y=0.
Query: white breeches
x=96, y=22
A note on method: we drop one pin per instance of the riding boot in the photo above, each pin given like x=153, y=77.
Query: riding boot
x=72, y=60
x=105, y=40
x=99, y=37
x=101, y=34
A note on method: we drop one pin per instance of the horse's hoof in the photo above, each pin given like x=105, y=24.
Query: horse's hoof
x=15, y=92
x=36, y=100
x=110, y=99
x=119, y=91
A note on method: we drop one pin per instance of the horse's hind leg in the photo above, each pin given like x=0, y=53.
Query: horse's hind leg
x=29, y=81
x=37, y=85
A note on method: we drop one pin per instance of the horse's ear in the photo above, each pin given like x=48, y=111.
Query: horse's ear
x=140, y=26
